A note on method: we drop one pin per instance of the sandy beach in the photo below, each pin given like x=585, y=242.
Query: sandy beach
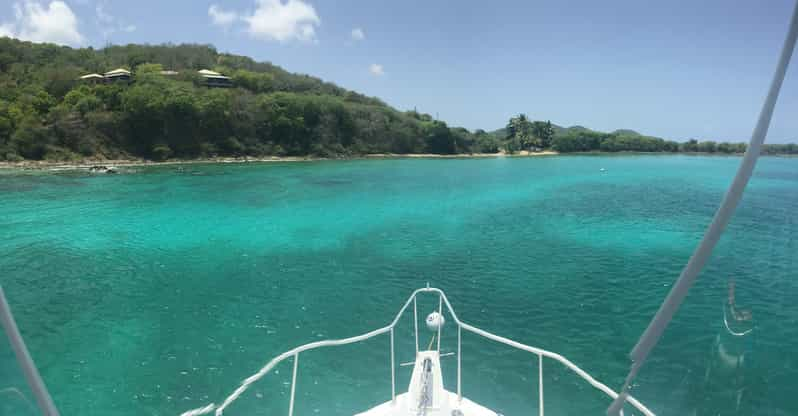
x=523, y=153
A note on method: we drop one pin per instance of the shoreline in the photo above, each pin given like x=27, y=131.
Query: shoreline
x=117, y=163
x=523, y=153
x=42, y=165
x=57, y=166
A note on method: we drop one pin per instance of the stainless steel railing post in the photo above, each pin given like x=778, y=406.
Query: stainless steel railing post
x=393, y=372
x=459, y=341
x=415, y=320
x=540, y=384
x=440, y=312
x=293, y=386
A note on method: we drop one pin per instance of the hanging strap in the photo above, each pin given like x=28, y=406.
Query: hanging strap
x=677, y=294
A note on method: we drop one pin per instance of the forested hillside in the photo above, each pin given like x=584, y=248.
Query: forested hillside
x=166, y=110
x=46, y=112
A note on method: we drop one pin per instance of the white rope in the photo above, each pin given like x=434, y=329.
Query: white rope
x=701, y=255
x=425, y=400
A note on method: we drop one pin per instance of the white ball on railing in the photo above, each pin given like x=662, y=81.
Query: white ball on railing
x=435, y=321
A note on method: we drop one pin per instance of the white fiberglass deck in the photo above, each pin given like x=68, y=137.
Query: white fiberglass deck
x=425, y=394
x=441, y=402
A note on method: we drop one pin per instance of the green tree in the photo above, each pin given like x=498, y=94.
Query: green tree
x=707, y=146
x=46, y=113
x=254, y=81
x=689, y=146
x=519, y=133
x=31, y=139
x=543, y=133
x=148, y=68
x=579, y=140
x=485, y=142
x=440, y=139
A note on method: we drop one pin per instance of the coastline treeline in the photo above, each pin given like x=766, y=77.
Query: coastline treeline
x=522, y=133
x=166, y=110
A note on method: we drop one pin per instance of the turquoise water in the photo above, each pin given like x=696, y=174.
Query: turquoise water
x=155, y=292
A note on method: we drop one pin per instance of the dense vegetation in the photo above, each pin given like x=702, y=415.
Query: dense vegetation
x=521, y=133
x=47, y=113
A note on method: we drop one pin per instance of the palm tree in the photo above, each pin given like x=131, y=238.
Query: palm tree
x=518, y=126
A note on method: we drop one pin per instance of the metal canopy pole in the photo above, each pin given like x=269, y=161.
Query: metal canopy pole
x=32, y=376
x=724, y=213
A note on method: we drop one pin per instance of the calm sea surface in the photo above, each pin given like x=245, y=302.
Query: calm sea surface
x=155, y=292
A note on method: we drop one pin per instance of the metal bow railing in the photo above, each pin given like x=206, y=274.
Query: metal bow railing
x=294, y=353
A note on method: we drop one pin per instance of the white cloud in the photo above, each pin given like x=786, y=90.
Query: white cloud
x=36, y=22
x=7, y=30
x=102, y=15
x=376, y=70
x=108, y=23
x=357, y=34
x=221, y=17
x=275, y=20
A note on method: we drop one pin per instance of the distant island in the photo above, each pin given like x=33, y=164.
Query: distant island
x=166, y=102
x=521, y=133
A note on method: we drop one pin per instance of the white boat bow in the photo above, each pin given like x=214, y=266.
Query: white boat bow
x=426, y=394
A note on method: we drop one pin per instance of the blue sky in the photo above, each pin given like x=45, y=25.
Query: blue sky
x=676, y=69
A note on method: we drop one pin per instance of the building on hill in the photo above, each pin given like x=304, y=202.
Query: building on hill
x=92, y=78
x=214, y=79
x=119, y=74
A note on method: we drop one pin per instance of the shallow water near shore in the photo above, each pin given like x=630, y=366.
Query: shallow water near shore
x=157, y=292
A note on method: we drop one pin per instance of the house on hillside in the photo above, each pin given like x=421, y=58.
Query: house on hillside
x=214, y=79
x=119, y=74
x=92, y=78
